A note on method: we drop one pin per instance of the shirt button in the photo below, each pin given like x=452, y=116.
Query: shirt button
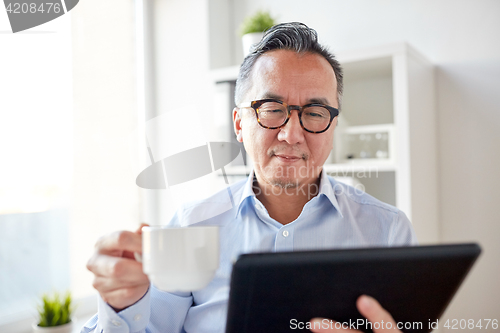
x=285, y=233
x=137, y=317
x=116, y=323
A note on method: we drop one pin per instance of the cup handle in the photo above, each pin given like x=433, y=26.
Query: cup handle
x=138, y=257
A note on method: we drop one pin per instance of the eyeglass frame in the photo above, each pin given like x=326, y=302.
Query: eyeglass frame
x=334, y=112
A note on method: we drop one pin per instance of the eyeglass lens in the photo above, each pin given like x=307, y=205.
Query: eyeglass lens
x=314, y=118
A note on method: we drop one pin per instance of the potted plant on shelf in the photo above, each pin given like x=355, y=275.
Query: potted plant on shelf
x=55, y=314
x=253, y=27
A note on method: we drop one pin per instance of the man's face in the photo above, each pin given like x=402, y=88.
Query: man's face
x=288, y=156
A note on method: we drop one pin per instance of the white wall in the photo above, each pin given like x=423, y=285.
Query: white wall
x=459, y=37
x=183, y=86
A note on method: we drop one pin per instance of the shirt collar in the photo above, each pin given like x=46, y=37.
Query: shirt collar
x=325, y=188
x=247, y=191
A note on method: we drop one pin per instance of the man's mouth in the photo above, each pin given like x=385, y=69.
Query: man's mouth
x=288, y=158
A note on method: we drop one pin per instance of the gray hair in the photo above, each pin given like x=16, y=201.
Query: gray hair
x=293, y=36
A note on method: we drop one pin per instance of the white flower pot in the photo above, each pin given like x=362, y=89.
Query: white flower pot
x=66, y=328
x=250, y=39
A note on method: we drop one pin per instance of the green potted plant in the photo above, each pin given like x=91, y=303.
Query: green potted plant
x=55, y=314
x=253, y=27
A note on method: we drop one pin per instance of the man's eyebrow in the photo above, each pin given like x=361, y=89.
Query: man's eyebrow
x=270, y=95
x=318, y=100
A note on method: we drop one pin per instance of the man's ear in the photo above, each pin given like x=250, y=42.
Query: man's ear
x=238, y=129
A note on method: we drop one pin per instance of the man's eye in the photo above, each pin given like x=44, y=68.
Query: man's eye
x=315, y=115
x=272, y=111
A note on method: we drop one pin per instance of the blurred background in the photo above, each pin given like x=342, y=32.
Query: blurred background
x=76, y=92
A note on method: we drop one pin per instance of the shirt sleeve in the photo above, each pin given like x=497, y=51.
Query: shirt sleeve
x=402, y=233
x=156, y=311
x=135, y=318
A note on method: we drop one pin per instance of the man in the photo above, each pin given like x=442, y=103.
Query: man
x=287, y=96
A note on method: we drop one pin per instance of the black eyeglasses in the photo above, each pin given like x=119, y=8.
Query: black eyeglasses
x=273, y=114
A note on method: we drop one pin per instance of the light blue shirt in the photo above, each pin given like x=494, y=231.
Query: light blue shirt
x=339, y=217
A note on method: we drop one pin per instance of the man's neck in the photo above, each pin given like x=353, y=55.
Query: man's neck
x=285, y=204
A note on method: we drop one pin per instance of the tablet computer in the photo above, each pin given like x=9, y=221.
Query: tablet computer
x=281, y=292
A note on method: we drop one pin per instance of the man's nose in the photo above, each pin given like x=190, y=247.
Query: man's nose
x=292, y=132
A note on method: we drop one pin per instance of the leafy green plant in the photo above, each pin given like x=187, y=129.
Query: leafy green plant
x=259, y=22
x=55, y=311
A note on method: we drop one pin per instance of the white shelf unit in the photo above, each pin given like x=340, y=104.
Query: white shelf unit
x=387, y=89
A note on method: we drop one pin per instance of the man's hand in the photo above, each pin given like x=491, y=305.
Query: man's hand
x=370, y=309
x=119, y=278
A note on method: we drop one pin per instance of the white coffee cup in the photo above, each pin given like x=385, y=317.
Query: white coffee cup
x=180, y=259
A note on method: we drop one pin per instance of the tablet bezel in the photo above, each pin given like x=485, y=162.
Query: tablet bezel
x=433, y=273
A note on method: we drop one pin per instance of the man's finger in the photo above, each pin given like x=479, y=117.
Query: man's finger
x=105, y=284
x=122, y=269
x=139, y=230
x=120, y=241
x=375, y=313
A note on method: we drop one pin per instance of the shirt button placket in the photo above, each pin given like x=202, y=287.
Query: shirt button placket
x=284, y=239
